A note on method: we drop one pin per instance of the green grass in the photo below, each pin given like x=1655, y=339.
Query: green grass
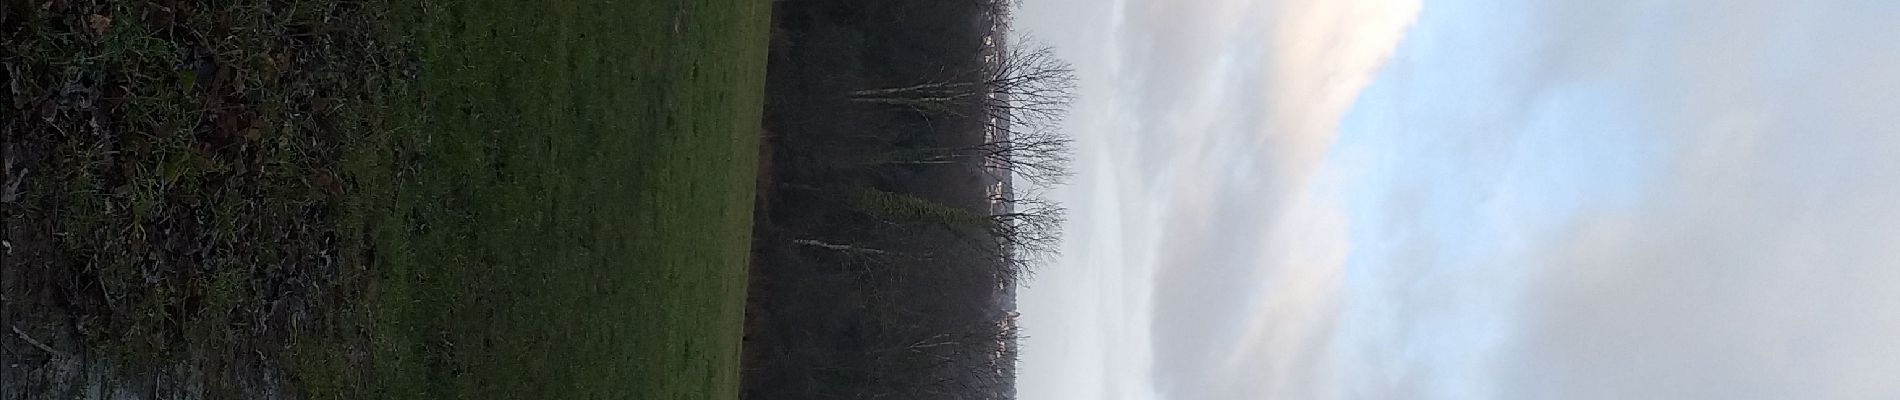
x=564, y=209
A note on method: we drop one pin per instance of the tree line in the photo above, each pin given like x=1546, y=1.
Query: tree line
x=908, y=143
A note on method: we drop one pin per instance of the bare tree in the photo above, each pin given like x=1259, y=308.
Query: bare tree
x=843, y=248
x=1021, y=232
x=1040, y=156
x=1024, y=85
x=1027, y=231
x=929, y=359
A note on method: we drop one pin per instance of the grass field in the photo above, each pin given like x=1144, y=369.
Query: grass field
x=572, y=217
x=543, y=200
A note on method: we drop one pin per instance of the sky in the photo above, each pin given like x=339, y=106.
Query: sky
x=1474, y=199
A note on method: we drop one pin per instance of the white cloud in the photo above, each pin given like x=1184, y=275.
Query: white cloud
x=1569, y=200
x=1213, y=117
x=1760, y=263
x=1634, y=199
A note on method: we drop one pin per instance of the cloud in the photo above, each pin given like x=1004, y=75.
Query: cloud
x=1203, y=124
x=1628, y=199
x=1760, y=263
x=1527, y=200
x=1251, y=248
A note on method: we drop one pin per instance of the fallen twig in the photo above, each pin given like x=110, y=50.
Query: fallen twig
x=36, y=343
x=11, y=192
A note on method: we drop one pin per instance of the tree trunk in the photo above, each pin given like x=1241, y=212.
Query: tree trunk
x=840, y=247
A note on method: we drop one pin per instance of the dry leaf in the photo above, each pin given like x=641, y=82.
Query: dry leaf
x=252, y=133
x=99, y=24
